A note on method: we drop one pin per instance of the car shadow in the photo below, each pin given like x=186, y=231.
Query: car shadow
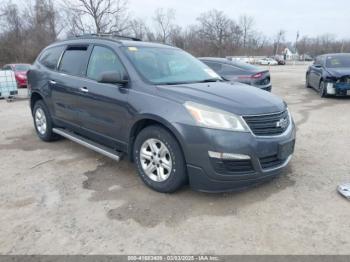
x=119, y=181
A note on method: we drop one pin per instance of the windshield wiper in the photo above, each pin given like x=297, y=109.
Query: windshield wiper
x=210, y=80
x=173, y=83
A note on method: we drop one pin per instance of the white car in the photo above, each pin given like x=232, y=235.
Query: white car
x=267, y=61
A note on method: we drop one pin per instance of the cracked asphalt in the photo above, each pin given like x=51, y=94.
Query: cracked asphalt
x=61, y=198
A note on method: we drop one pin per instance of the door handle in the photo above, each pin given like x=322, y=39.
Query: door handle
x=52, y=82
x=84, y=89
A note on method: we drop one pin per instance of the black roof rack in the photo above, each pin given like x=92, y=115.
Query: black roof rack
x=108, y=36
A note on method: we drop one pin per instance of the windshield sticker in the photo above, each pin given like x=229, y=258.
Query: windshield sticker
x=132, y=48
x=211, y=73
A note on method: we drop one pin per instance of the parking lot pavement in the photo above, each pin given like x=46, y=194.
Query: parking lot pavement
x=60, y=198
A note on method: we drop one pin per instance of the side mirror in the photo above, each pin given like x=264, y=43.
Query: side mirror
x=112, y=77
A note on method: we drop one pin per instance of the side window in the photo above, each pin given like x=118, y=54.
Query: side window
x=215, y=66
x=73, y=60
x=103, y=60
x=51, y=56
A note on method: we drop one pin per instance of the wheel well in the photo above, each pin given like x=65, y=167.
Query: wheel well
x=33, y=99
x=320, y=81
x=138, y=127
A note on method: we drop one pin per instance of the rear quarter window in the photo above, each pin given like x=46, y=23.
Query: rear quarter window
x=74, y=60
x=50, y=57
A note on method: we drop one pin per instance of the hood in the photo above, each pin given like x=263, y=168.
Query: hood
x=236, y=98
x=339, y=72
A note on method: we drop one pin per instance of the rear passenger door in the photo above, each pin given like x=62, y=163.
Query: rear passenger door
x=42, y=75
x=66, y=84
x=103, y=107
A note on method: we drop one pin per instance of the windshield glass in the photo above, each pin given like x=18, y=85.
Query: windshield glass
x=169, y=66
x=338, y=61
x=21, y=67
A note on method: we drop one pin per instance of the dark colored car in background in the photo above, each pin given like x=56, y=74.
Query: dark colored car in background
x=20, y=71
x=330, y=75
x=239, y=72
x=280, y=59
x=170, y=113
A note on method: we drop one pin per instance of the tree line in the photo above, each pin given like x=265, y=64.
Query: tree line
x=25, y=30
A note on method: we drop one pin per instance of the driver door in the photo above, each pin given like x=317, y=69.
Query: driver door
x=103, y=109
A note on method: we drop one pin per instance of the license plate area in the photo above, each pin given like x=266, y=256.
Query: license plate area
x=286, y=149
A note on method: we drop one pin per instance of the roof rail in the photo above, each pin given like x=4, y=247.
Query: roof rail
x=108, y=35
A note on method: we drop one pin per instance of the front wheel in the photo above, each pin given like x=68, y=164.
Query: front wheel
x=159, y=159
x=323, y=89
x=307, y=84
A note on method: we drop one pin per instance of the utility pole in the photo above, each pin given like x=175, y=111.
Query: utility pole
x=342, y=46
x=296, y=49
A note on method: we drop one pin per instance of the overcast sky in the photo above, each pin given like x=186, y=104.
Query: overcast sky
x=310, y=17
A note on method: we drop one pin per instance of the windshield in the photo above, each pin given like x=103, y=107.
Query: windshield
x=338, y=61
x=169, y=66
x=21, y=67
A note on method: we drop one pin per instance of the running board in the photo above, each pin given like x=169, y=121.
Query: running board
x=89, y=144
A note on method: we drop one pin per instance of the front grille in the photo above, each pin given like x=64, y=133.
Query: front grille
x=232, y=166
x=271, y=162
x=268, y=125
x=344, y=79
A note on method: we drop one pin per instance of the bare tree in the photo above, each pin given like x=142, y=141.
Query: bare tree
x=43, y=23
x=97, y=16
x=138, y=28
x=25, y=32
x=164, y=20
x=11, y=23
x=280, y=37
x=214, y=27
x=246, y=24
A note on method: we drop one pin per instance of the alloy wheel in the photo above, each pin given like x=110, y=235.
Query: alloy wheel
x=40, y=121
x=156, y=160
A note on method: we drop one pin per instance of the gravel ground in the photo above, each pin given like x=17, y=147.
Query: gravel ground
x=60, y=198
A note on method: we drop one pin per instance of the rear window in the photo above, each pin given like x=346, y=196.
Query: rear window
x=50, y=57
x=73, y=61
x=22, y=67
x=230, y=70
x=245, y=66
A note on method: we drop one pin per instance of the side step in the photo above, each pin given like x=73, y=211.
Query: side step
x=89, y=144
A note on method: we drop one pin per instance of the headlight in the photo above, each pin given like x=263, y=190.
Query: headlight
x=215, y=118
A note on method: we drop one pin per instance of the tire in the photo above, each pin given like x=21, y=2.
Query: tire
x=43, y=122
x=322, y=90
x=307, y=85
x=166, y=173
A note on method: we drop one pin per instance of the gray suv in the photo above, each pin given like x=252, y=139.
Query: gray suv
x=168, y=112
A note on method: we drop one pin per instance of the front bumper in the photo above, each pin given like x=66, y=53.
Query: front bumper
x=205, y=176
x=266, y=88
x=338, y=89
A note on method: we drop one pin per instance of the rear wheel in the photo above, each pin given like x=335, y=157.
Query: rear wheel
x=159, y=160
x=322, y=89
x=43, y=122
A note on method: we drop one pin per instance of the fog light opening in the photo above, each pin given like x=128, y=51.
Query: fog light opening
x=228, y=156
x=330, y=89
